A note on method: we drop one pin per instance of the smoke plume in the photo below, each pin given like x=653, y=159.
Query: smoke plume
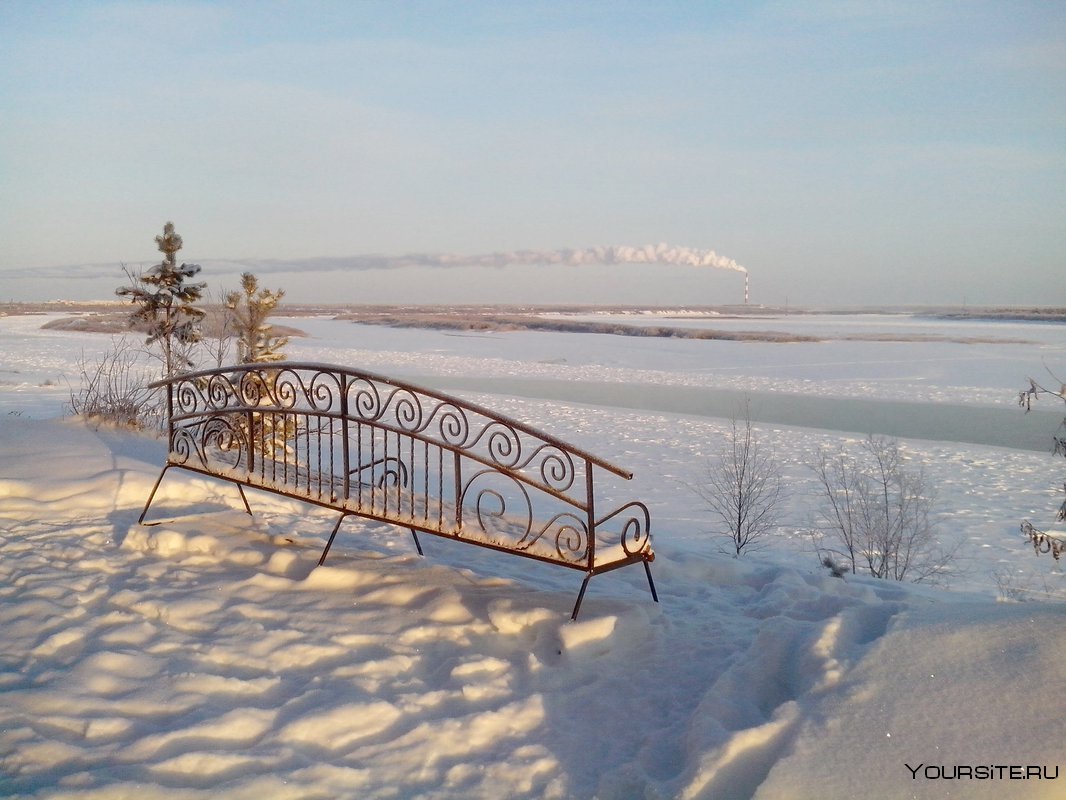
x=617, y=254
x=611, y=254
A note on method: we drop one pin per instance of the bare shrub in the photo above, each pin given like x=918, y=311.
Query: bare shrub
x=1011, y=586
x=742, y=488
x=115, y=389
x=877, y=516
x=1044, y=541
x=1047, y=541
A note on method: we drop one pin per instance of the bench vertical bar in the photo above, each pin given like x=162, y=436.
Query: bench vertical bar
x=458, y=492
x=170, y=418
x=250, y=423
x=590, y=549
x=591, y=501
x=346, y=456
x=346, y=459
x=238, y=398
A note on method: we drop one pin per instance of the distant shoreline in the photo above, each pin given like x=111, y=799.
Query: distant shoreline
x=111, y=317
x=724, y=311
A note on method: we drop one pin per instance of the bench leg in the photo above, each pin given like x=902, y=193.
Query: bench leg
x=151, y=497
x=332, y=536
x=585, y=584
x=155, y=488
x=418, y=544
x=580, y=597
x=651, y=583
x=247, y=507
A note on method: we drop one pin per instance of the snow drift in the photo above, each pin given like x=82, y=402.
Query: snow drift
x=211, y=657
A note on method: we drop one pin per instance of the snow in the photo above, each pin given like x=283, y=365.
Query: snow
x=210, y=656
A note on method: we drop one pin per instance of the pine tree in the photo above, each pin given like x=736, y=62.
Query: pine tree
x=164, y=303
x=256, y=342
x=271, y=434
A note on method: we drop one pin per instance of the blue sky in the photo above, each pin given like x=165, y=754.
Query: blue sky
x=844, y=152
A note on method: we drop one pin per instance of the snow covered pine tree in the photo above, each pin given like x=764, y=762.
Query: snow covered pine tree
x=256, y=342
x=164, y=301
x=272, y=433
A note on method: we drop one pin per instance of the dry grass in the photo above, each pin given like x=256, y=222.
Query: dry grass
x=115, y=320
x=112, y=318
x=450, y=320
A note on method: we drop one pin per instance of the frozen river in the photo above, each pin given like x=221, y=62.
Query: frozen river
x=953, y=381
x=949, y=380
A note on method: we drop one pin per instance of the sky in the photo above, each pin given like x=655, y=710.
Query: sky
x=842, y=152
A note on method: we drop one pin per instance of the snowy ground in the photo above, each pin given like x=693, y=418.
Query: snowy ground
x=211, y=657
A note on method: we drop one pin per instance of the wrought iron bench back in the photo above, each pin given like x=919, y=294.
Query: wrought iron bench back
x=384, y=449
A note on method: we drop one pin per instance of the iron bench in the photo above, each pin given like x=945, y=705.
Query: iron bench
x=370, y=446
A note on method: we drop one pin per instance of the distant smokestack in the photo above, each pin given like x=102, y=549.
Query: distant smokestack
x=746, y=276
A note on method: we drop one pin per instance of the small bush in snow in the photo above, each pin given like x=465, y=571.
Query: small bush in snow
x=742, y=488
x=877, y=515
x=115, y=390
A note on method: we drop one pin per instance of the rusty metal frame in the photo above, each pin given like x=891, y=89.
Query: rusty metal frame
x=370, y=446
